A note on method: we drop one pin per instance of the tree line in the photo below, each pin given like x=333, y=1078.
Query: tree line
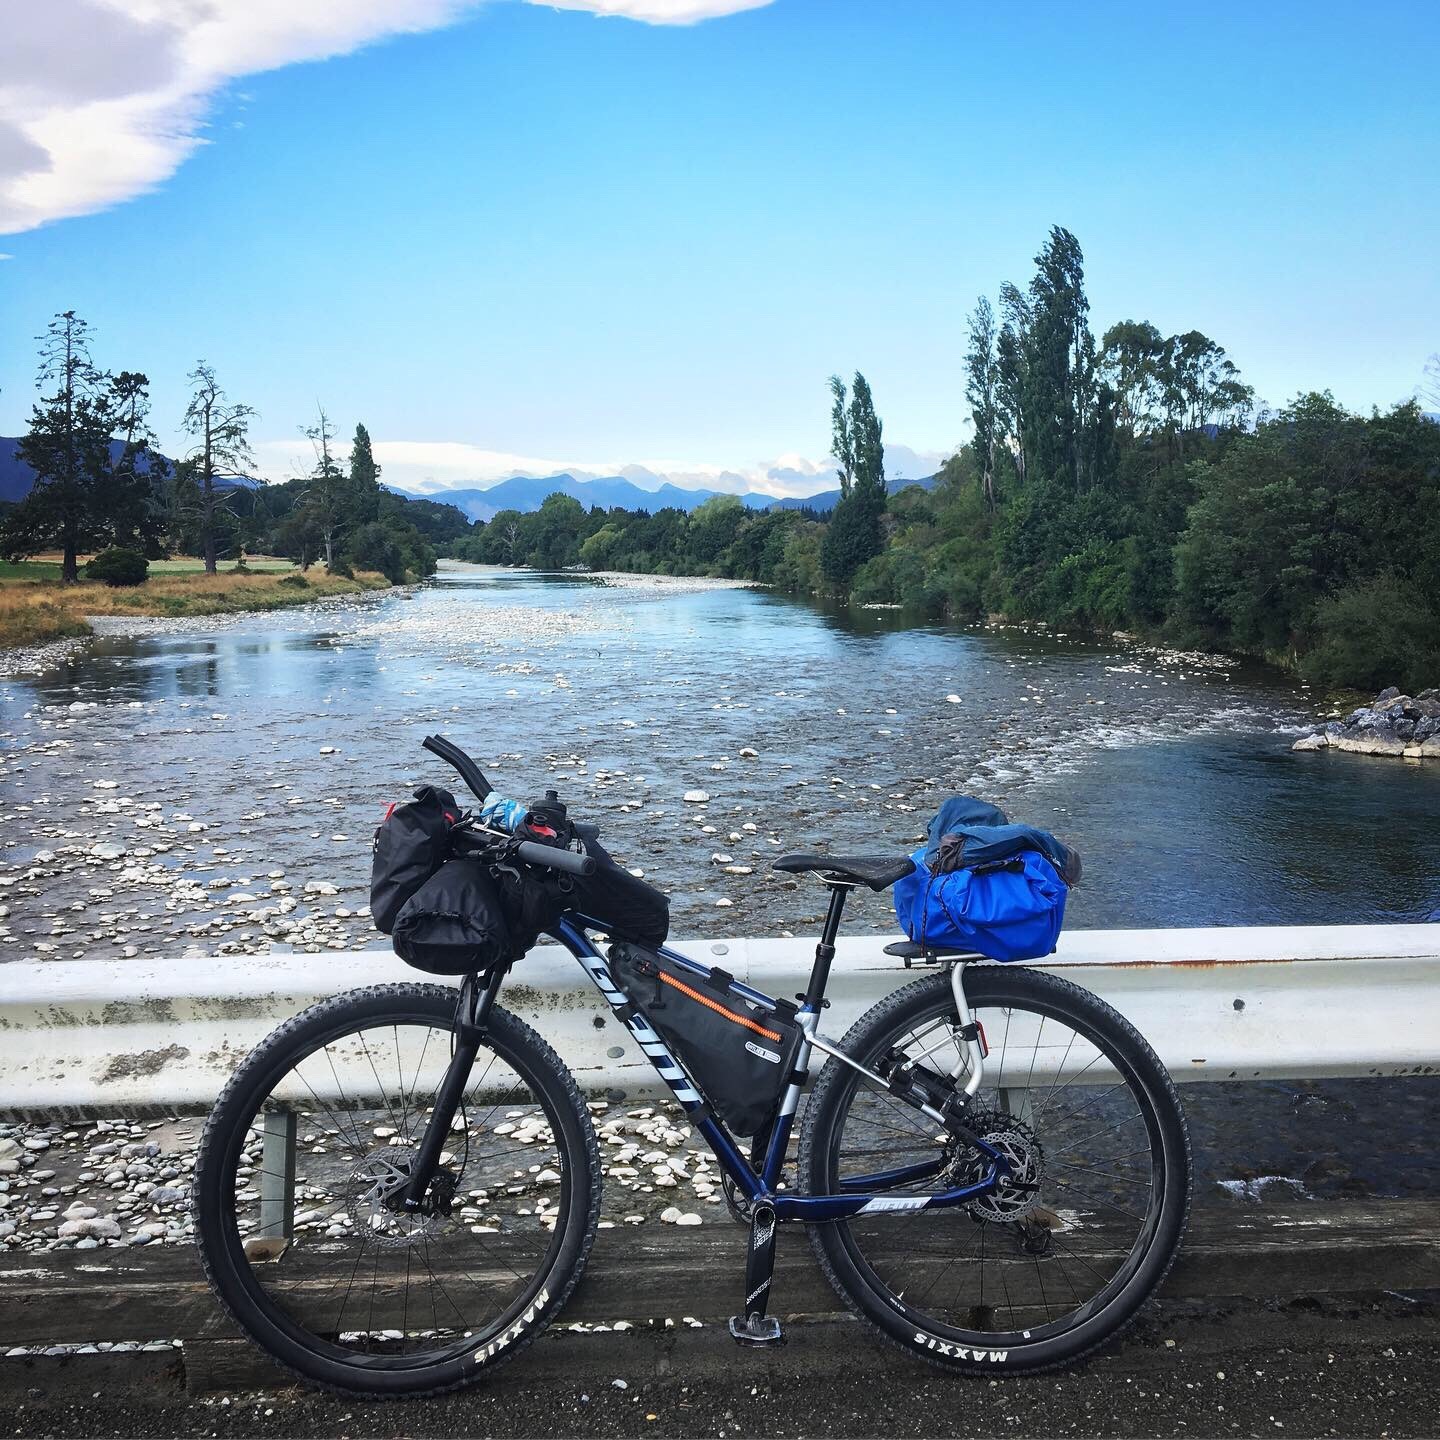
x=101, y=484
x=1128, y=483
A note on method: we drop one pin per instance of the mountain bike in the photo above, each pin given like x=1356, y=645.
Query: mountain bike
x=399, y=1188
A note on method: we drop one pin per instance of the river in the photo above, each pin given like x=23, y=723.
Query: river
x=156, y=780
x=214, y=785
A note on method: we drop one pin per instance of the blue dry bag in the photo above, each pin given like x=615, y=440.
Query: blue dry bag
x=983, y=884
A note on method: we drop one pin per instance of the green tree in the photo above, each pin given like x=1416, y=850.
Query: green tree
x=364, y=498
x=712, y=529
x=327, y=490
x=981, y=390
x=599, y=550
x=1133, y=362
x=68, y=448
x=1060, y=398
x=1012, y=372
x=221, y=428
x=854, y=534
x=136, y=471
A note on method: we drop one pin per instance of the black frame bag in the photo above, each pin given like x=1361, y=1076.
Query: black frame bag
x=454, y=923
x=741, y=1056
x=411, y=844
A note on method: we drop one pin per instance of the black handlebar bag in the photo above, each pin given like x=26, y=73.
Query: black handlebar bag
x=454, y=924
x=623, y=904
x=411, y=844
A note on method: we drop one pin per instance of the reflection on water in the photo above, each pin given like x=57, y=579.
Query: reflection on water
x=1172, y=775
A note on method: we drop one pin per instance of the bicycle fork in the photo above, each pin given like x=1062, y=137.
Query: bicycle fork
x=473, y=1012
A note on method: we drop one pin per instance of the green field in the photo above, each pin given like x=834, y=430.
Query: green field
x=35, y=607
x=180, y=565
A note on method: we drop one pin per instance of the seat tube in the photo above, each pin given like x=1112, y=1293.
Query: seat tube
x=825, y=950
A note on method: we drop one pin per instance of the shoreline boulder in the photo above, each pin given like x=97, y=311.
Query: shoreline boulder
x=1395, y=724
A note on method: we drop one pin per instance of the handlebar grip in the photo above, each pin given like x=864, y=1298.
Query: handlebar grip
x=461, y=763
x=554, y=858
x=585, y=829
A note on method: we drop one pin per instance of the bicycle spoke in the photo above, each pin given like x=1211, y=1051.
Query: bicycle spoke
x=1011, y=1275
x=361, y=1268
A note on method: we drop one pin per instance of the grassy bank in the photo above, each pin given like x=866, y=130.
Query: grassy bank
x=35, y=607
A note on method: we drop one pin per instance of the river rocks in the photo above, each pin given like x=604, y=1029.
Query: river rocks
x=1395, y=724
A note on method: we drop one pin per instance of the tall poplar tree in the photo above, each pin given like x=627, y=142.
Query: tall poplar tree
x=981, y=386
x=364, y=480
x=854, y=534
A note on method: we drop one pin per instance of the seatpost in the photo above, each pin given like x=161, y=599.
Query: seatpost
x=814, y=996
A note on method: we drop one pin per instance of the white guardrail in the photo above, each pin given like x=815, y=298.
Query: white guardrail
x=134, y=1036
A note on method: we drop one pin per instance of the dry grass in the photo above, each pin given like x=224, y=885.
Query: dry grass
x=33, y=612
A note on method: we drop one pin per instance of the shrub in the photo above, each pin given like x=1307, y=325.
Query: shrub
x=1381, y=632
x=295, y=582
x=118, y=566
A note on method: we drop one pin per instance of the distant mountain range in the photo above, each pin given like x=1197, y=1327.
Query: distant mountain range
x=527, y=493
x=16, y=477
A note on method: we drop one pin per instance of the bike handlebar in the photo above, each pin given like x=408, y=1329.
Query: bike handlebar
x=528, y=851
x=461, y=763
x=554, y=859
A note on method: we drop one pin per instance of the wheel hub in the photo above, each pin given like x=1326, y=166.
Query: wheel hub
x=373, y=1198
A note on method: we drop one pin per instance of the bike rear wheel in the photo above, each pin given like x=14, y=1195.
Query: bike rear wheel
x=312, y=1136
x=1039, y=1272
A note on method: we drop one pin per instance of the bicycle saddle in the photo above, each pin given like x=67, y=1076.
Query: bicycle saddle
x=879, y=872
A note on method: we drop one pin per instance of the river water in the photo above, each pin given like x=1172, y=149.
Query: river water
x=177, y=769
x=215, y=785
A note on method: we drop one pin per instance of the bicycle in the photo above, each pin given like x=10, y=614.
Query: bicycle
x=993, y=1164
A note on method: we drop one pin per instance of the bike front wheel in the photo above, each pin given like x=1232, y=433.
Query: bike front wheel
x=295, y=1206
x=1044, y=1268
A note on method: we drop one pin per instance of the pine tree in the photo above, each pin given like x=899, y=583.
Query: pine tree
x=132, y=508
x=221, y=452
x=68, y=448
x=326, y=498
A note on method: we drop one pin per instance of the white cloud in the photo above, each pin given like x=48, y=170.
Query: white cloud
x=102, y=100
x=658, y=12
x=3, y=256
x=426, y=466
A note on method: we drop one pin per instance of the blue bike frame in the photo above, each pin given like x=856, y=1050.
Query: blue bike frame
x=862, y=1194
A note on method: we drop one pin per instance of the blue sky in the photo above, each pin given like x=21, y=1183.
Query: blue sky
x=523, y=238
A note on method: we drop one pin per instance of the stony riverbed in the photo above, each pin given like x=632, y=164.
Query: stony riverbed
x=212, y=786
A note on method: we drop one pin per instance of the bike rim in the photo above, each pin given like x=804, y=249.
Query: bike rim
x=382, y=1291
x=966, y=1277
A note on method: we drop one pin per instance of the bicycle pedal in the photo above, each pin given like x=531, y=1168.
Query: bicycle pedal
x=756, y=1330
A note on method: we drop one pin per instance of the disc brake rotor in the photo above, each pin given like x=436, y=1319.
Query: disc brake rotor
x=370, y=1191
x=1018, y=1194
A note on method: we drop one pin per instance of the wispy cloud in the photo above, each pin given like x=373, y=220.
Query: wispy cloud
x=102, y=100
x=428, y=466
x=3, y=256
x=658, y=12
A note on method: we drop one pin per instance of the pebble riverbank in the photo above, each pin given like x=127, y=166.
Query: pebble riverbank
x=120, y=1184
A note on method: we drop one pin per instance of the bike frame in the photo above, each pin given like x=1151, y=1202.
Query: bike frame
x=862, y=1194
